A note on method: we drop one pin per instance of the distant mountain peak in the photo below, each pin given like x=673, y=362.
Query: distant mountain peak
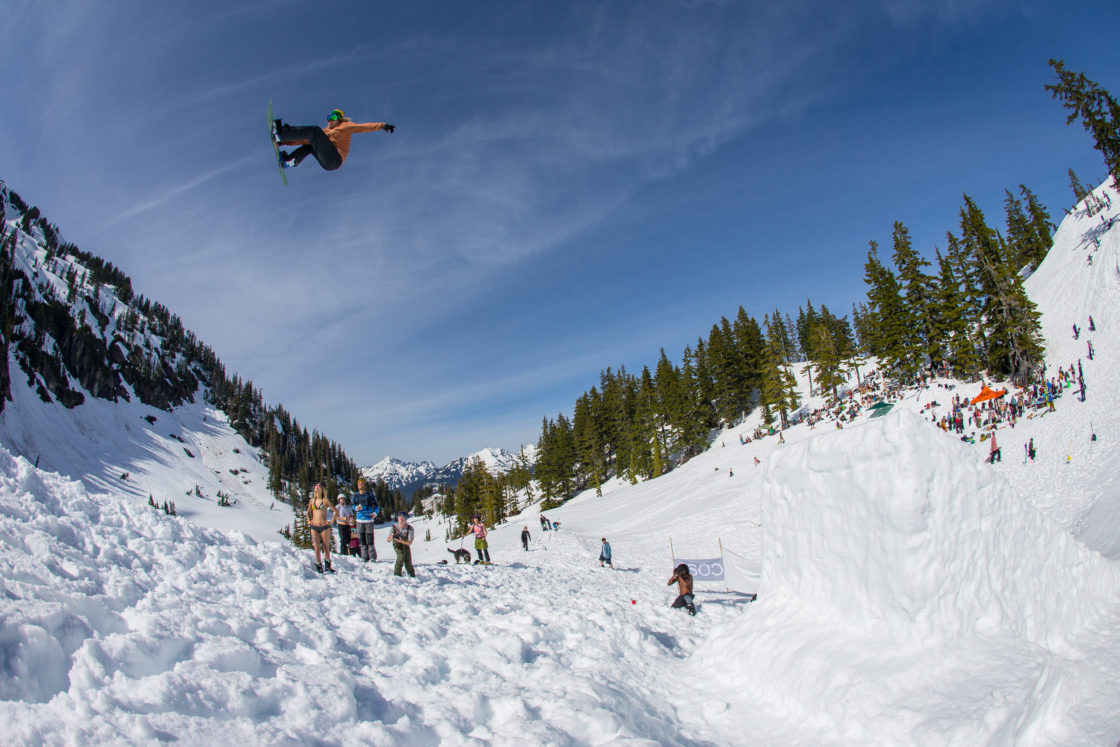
x=405, y=476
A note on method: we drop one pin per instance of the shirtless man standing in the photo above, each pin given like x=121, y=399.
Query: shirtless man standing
x=320, y=526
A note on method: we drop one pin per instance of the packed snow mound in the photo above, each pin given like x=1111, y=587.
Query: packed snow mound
x=908, y=593
x=895, y=529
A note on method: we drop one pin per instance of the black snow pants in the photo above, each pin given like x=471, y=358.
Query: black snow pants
x=685, y=601
x=318, y=145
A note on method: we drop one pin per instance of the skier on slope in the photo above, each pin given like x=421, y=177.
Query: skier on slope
x=330, y=146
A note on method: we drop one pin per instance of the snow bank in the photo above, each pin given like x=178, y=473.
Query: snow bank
x=897, y=574
x=119, y=624
x=895, y=530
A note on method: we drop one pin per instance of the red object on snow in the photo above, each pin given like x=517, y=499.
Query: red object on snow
x=987, y=394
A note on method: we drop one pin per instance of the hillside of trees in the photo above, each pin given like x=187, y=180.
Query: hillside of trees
x=101, y=334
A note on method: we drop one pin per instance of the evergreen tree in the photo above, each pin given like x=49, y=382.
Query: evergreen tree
x=954, y=324
x=887, y=319
x=1079, y=190
x=645, y=442
x=1020, y=232
x=827, y=357
x=699, y=414
x=750, y=343
x=918, y=339
x=588, y=440
x=1098, y=110
x=863, y=331
x=1014, y=342
x=778, y=385
x=805, y=321
x=670, y=396
x=1042, y=228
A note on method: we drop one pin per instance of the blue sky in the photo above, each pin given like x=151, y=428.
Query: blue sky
x=571, y=185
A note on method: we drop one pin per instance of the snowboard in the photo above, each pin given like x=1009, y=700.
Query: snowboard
x=275, y=147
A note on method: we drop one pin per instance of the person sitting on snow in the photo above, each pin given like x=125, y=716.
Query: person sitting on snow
x=683, y=580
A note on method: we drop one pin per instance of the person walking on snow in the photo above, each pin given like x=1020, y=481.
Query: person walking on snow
x=330, y=146
x=605, y=554
x=478, y=529
x=994, y=454
x=683, y=579
x=401, y=536
x=366, y=508
x=320, y=526
x=525, y=538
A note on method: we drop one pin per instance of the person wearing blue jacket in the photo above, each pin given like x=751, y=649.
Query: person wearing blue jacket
x=605, y=554
x=366, y=509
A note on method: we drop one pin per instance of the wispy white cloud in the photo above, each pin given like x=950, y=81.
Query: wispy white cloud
x=173, y=193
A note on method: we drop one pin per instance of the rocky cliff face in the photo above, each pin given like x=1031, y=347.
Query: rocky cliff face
x=68, y=328
x=71, y=324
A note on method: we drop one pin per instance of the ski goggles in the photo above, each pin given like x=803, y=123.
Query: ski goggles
x=336, y=116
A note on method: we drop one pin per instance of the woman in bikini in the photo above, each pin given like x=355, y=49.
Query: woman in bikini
x=320, y=525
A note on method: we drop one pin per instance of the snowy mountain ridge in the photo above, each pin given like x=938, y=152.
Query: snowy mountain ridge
x=408, y=476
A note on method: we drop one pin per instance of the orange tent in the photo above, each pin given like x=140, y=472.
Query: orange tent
x=987, y=394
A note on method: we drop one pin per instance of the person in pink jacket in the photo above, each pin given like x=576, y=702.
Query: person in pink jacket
x=478, y=529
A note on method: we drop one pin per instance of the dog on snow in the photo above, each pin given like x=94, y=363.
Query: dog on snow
x=461, y=556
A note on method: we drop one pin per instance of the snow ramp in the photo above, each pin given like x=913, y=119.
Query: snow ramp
x=909, y=596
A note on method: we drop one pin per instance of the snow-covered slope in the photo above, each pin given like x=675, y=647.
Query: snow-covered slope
x=185, y=456
x=1077, y=479
x=112, y=441
x=909, y=594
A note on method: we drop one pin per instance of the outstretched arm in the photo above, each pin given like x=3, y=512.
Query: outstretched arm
x=366, y=126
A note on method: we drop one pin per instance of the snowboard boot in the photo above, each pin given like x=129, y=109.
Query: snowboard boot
x=287, y=160
x=318, y=567
x=276, y=127
x=327, y=567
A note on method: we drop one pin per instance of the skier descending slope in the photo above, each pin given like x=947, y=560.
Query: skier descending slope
x=330, y=146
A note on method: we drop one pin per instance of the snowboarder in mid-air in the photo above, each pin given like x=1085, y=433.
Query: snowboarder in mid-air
x=330, y=146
